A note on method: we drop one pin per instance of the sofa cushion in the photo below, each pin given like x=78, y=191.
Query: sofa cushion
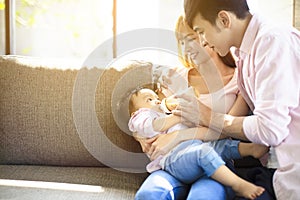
x=61, y=183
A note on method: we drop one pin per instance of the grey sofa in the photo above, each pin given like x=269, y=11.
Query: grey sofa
x=42, y=154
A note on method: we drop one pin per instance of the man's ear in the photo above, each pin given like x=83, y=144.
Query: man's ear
x=224, y=19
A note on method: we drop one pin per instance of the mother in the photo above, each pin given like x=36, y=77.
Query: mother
x=218, y=92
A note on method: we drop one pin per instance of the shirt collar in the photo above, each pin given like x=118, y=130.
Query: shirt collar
x=249, y=37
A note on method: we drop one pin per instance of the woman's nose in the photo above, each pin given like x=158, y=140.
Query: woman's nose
x=187, y=51
x=203, y=41
x=186, y=47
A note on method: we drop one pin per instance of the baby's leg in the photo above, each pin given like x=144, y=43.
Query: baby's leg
x=240, y=186
x=191, y=160
x=251, y=149
x=228, y=149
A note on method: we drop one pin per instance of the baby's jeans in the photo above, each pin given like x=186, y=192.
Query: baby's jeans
x=193, y=159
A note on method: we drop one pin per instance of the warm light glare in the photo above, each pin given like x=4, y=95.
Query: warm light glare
x=51, y=185
x=164, y=183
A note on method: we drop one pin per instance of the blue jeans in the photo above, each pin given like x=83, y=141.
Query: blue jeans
x=192, y=159
x=161, y=185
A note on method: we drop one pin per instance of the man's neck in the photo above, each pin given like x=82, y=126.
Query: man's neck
x=240, y=27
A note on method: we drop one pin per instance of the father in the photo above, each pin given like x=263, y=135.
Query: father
x=269, y=80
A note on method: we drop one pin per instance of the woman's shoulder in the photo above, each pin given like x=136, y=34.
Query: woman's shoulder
x=233, y=80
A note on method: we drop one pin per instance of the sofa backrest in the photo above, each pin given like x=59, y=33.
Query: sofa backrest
x=37, y=114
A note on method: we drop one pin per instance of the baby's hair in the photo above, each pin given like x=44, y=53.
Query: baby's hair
x=131, y=106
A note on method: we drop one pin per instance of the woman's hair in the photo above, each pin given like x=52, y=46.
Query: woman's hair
x=209, y=9
x=131, y=106
x=182, y=23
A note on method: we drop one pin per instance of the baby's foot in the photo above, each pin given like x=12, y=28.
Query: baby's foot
x=248, y=190
x=259, y=150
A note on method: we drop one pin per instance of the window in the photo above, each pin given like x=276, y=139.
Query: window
x=2, y=27
x=61, y=28
x=134, y=17
x=297, y=14
x=72, y=29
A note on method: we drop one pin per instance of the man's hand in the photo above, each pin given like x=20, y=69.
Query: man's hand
x=192, y=110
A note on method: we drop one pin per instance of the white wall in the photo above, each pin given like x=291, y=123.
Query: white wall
x=280, y=11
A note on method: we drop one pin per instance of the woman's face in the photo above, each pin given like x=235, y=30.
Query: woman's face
x=193, y=49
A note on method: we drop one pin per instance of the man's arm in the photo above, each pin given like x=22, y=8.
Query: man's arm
x=229, y=125
x=191, y=109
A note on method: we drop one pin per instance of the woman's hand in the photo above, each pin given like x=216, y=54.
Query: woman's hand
x=170, y=79
x=162, y=144
x=143, y=142
x=163, y=75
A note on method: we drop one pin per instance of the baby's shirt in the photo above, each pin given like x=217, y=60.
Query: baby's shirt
x=141, y=123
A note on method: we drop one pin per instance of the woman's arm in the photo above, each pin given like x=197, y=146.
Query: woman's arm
x=163, y=143
x=240, y=107
x=143, y=142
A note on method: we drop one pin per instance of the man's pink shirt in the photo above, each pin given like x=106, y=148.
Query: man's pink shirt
x=271, y=77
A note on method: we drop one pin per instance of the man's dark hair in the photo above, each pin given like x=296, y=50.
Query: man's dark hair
x=209, y=9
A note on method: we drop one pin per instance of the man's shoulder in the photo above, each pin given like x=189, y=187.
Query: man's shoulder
x=271, y=30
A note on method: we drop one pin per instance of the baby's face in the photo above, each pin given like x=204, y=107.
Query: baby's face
x=146, y=98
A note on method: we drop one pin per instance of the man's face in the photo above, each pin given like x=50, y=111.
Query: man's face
x=215, y=36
